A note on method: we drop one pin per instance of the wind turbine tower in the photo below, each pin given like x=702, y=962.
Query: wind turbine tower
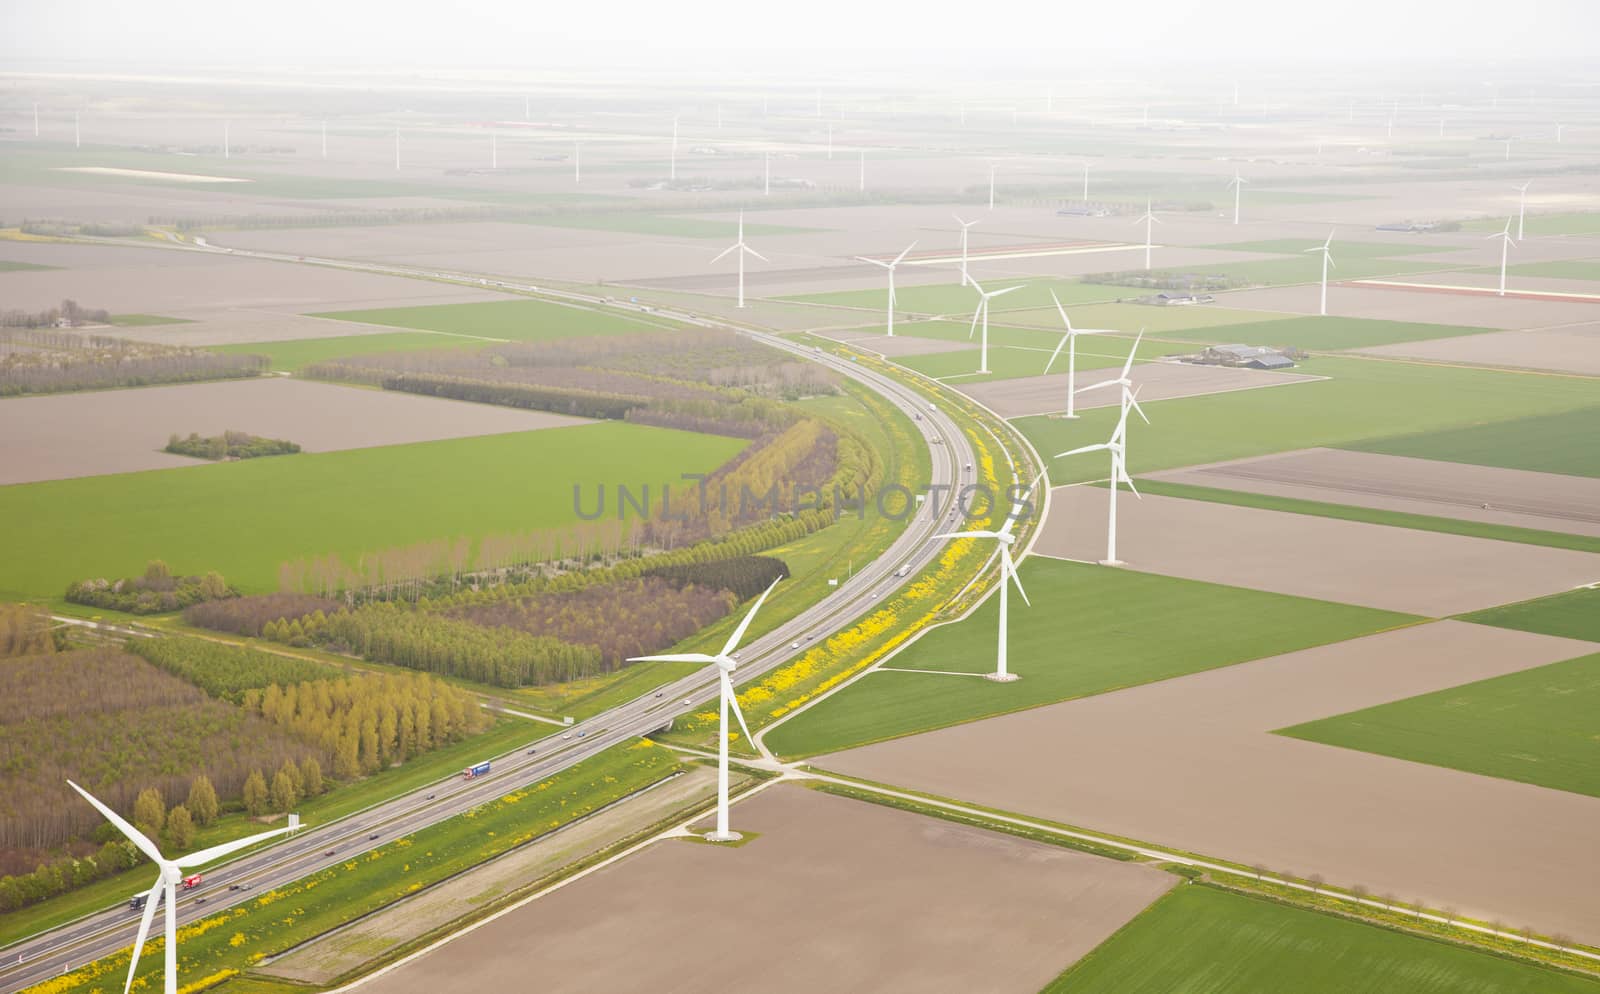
x=1506, y=242
x=1004, y=539
x=1327, y=260
x=1522, y=206
x=965, y=279
x=1238, y=188
x=890, y=266
x=983, y=313
x=741, y=248
x=1070, y=341
x=1149, y=218
x=673, y=165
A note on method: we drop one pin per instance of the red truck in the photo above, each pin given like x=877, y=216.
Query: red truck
x=192, y=881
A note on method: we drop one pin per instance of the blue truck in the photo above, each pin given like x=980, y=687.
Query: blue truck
x=474, y=772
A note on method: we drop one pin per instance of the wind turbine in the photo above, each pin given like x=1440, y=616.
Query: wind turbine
x=396, y=149
x=1148, y=218
x=1118, y=447
x=863, y=180
x=1070, y=341
x=740, y=247
x=77, y=133
x=494, y=151
x=170, y=873
x=965, y=279
x=1238, y=188
x=766, y=174
x=672, y=167
x=983, y=312
x=890, y=267
x=726, y=664
x=1508, y=149
x=991, y=186
x=1086, y=182
x=1506, y=241
x=226, y=125
x=36, y=123
x=1522, y=206
x=324, y=139
x=577, y=163
x=1004, y=539
x=1327, y=260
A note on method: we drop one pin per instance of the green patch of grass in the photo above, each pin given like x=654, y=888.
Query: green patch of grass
x=299, y=353
x=275, y=920
x=244, y=518
x=1301, y=269
x=1574, y=614
x=1577, y=223
x=1131, y=317
x=1326, y=333
x=1536, y=726
x=953, y=298
x=1555, y=443
x=1376, y=516
x=1013, y=361
x=1202, y=940
x=672, y=225
x=1560, y=269
x=1363, y=404
x=1346, y=250
x=1095, y=646
x=512, y=320
x=144, y=320
x=8, y=266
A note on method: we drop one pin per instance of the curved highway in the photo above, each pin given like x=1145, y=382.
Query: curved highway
x=47, y=954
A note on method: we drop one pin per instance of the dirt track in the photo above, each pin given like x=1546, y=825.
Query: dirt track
x=833, y=895
x=120, y=431
x=1157, y=381
x=1398, y=569
x=1520, y=498
x=1191, y=763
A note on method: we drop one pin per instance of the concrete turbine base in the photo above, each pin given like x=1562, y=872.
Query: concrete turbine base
x=1111, y=562
x=719, y=837
x=1002, y=677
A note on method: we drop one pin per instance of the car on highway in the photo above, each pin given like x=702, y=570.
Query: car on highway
x=374, y=835
x=532, y=751
x=795, y=644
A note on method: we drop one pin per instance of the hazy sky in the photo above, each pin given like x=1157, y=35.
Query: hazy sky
x=1038, y=33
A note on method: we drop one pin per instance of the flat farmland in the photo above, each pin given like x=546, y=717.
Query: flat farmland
x=1106, y=646
x=1545, y=444
x=1154, y=320
x=1398, y=304
x=1518, y=498
x=245, y=518
x=291, y=355
x=1536, y=726
x=1574, y=614
x=1038, y=395
x=898, y=346
x=246, y=330
x=868, y=887
x=509, y=320
x=1324, y=334
x=953, y=298
x=1397, y=569
x=88, y=434
x=1574, y=349
x=1192, y=762
x=1180, y=946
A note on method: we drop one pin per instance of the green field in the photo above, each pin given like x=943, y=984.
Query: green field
x=1536, y=726
x=298, y=353
x=1113, y=629
x=656, y=224
x=1013, y=361
x=513, y=320
x=1376, y=516
x=1300, y=269
x=1574, y=615
x=1364, y=404
x=244, y=518
x=1325, y=333
x=1555, y=443
x=7, y=266
x=953, y=298
x=1131, y=317
x=1201, y=940
x=1561, y=269
x=1582, y=223
x=144, y=320
x=1344, y=250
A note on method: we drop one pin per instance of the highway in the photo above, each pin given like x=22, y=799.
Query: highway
x=32, y=960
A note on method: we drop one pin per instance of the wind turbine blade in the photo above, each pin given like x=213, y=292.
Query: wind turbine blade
x=875, y=262
x=975, y=576
x=1133, y=402
x=1098, y=386
x=205, y=856
x=725, y=251
x=972, y=534
x=1330, y=239
x=1059, y=346
x=1127, y=366
x=999, y=293
x=753, y=252
x=149, y=915
x=134, y=835
x=902, y=255
x=975, y=316
x=733, y=705
x=1011, y=571
x=1080, y=451
x=1063, y=312
x=976, y=286
x=1128, y=480
x=744, y=626
x=680, y=657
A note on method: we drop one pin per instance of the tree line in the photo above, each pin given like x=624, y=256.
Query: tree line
x=246, y=615
x=226, y=671
x=69, y=314
x=26, y=630
x=156, y=591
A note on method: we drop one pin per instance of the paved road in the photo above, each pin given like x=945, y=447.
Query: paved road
x=40, y=957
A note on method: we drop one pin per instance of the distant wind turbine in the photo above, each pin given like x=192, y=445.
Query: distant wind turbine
x=36, y=123
x=77, y=133
x=169, y=875
x=862, y=182
x=396, y=149
x=1086, y=181
x=324, y=139
x=1149, y=218
x=726, y=664
x=983, y=312
x=1070, y=341
x=1508, y=149
x=890, y=266
x=965, y=279
x=766, y=174
x=1506, y=241
x=1238, y=187
x=991, y=186
x=741, y=248
x=225, y=140
x=494, y=151
x=577, y=163
x=1522, y=206
x=1327, y=260
x=672, y=167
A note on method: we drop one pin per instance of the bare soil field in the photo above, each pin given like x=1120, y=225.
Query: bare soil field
x=1396, y=569
x=136, y=280
x=241, y=326
x=1569, y=349
x=120, y=431
x=1405, y=305
x=1548, y=501
x=324, y=960
x=866, y=898
x=1191, y=763
x=1157, y=381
